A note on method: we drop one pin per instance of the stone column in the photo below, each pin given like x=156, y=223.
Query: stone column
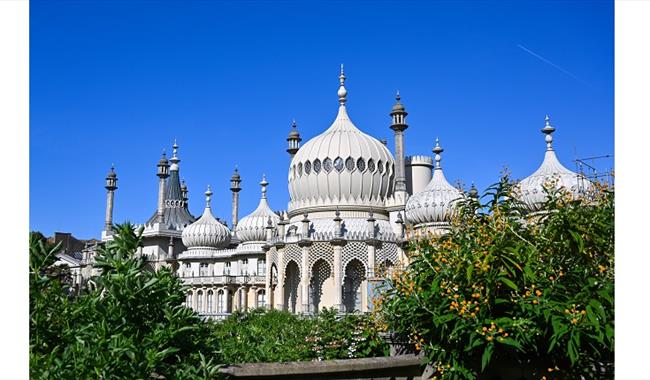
x=163, y=173
x=111, y=186
x=226, y=299
x=305, y=275
x=280, y=287
x=338, y=275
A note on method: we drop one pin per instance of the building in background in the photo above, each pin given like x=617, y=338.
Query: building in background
x=353, y=205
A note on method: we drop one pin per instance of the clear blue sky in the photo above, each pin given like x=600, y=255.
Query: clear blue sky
x=117, y=81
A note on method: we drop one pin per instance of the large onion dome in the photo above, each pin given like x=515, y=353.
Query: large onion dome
x=433, y=206
x=551, y=174
x=253, y=226
x=206, y=232
x=341, y=166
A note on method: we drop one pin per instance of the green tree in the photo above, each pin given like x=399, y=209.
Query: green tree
x=131, y=324
x=508, y=289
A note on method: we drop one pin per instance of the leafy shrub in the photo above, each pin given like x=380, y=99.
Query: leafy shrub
x=131, y=325
x=277, y=336
x=503, y=289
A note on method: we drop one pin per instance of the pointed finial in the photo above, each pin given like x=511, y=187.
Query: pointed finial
x=548, y=131
x=437, y=150
x=208, y=195
x=264, y=183
x=175, y=159
x=397, y=97
x=342, y=91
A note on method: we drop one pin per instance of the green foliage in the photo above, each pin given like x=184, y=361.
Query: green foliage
x=274, y=336
x=130, y=324
x=502, y=288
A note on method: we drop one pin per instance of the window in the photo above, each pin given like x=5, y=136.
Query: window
x=299, y=169
x=244, y=266
x=307, y=167
x=338, y=164
x=261, y=298
x=371, y=165
x=220, y=302
x=210, y=296
x=327, y=165
x=380, y=166
x=226, y=268
x=361, y=164
x=261, y=267
x=349, y=164
x=317, y=166
x=203, y=269
x=199, y=301
x=188, y=303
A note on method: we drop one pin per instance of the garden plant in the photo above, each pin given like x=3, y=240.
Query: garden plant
x=510, y=290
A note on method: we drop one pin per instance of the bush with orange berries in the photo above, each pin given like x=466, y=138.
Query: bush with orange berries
x=506, y=288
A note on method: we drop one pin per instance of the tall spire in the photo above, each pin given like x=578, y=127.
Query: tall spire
x=548, y=131
x=437, y=150
x=343, y=93
x=264, y=183
x=235, y=188
x=111, y=186
x=398, y=125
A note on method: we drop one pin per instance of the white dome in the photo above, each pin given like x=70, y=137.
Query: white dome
x=341, y=166
x=253, y=226
x=551, y=174
x=434, y=205
x=206, y=232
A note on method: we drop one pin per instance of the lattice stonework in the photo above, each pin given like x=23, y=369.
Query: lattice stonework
x=355, y=250
x=321, y=250
x=293, y=252
x=273, y=256
x=388, y=252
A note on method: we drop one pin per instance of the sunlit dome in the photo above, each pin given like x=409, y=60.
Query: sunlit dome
x=206, y=232
x=341, y=166
x=551, y=174
x=434, y=205
x=252, y=228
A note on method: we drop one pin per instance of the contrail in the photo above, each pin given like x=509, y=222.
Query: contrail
x=552, y=64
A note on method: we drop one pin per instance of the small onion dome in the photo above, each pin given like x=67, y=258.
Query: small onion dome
x=551, y=174
x=398, y=106
x=293, y=134
x=434, y=205
x=112, y=174
x=206, y=232
x=252, y=227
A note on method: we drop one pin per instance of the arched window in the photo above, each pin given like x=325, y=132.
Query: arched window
x=292, y=279
x=210, y=303
x=354, y=276
x=199, y=301
x=261, y=298
x=321, y=271
x=220, y=302
x=188, y=303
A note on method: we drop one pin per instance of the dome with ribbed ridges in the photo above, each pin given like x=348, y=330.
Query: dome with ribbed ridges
x=207, y=232
x=341, y=166
x=532, y=190
x=252, y=228
x=433, y=206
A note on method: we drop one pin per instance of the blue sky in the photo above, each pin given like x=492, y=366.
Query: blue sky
x=118, y=81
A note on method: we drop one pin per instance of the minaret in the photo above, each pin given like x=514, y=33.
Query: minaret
x=235, y=182
x=163, y=173
x=111, y=186
x=398, y=114
x=293, y=140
